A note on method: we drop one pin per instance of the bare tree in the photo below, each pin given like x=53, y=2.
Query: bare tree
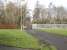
x=11, y=13
x=61, y=14
x=36, y=14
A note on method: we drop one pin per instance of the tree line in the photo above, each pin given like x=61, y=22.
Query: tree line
x=50, y=15
x=11, y=13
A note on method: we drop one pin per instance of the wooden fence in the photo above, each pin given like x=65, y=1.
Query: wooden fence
x=8, y=26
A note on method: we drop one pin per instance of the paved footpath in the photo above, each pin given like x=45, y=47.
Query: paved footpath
x=59, y=41
x=13, y=48
x=9, y=48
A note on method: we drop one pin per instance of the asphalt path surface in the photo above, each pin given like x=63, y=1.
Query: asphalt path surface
x=60, y=42
x=2, y=47
x=9, y=48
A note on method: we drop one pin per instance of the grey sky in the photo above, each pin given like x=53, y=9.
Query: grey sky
x=31, y=3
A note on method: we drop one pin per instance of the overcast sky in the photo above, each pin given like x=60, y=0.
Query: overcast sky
x=31, y=3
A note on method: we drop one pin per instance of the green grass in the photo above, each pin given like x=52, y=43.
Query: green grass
x=17, y=38
x=58, y=31
x=49, y=48
x=20, y=39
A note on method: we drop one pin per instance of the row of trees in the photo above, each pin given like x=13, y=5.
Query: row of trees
x=51, y=15
x=11, y=13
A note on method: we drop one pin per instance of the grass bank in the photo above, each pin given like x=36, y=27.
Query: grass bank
x=17, y=38
x=58, y=31
x=20, y=39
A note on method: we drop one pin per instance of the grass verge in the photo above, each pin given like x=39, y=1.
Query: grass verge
x=51, y=47
x=17, y=38
x=58, y=31
x=20, y=39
